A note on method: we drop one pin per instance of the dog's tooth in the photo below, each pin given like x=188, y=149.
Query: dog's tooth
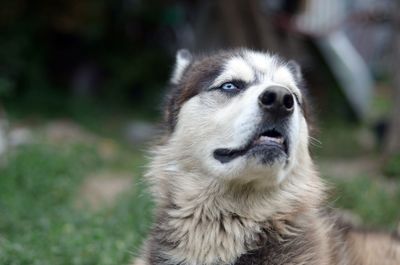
x=266, y=139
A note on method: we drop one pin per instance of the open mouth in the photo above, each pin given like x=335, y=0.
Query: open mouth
x=270, y=142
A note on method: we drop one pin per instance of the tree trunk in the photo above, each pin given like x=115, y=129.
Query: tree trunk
x=231, y=24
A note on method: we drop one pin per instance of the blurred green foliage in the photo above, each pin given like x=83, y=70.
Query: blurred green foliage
x=370, y=199
x=392, y=167
x=339, y=139
x=113, y=52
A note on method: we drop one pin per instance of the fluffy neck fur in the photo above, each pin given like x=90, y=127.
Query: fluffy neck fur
x=208, y=221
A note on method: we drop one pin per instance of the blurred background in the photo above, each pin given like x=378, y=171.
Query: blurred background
x=81, y=84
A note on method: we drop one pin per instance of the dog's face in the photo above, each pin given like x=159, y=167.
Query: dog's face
x=237, y=116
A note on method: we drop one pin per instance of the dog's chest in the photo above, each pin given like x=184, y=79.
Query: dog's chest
x=236, y=241
x=295, y=249
x=199, y=240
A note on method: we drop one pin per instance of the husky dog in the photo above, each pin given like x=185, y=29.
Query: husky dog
x=233, y=180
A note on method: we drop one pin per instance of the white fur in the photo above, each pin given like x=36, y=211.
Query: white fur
x=261, y=62
x=231, y=124
x=183, y=59
x=235, y=69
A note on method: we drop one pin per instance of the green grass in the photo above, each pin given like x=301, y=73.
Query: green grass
x=376, y=203
x=39, y=223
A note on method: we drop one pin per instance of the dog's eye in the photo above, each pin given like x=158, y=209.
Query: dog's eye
x=233, y=86
x=229, y=86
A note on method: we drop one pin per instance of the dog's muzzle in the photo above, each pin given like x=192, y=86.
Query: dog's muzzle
x=270, y=141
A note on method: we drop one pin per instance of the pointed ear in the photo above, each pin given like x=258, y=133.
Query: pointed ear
x=295, y=68
x=183, y=59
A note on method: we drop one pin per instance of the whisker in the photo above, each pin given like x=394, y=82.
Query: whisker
x=315, y=142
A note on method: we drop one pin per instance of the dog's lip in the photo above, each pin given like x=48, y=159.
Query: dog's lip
x=271, y=137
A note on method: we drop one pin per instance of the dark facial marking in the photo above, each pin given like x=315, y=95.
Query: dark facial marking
x=197, y=78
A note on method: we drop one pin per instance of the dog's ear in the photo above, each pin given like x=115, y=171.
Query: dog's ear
x=295, y=69
x=183, y=59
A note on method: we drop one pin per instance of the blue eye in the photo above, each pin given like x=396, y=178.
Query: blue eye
x=229, y=86
x=233, y=87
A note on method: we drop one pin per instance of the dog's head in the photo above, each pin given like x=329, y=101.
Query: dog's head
x=237, y=116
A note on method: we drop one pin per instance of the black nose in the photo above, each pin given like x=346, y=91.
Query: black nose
x=277, y=101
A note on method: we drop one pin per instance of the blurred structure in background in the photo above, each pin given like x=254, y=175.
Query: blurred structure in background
x=119, y=53
x=347, y=34
x=392, y=140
